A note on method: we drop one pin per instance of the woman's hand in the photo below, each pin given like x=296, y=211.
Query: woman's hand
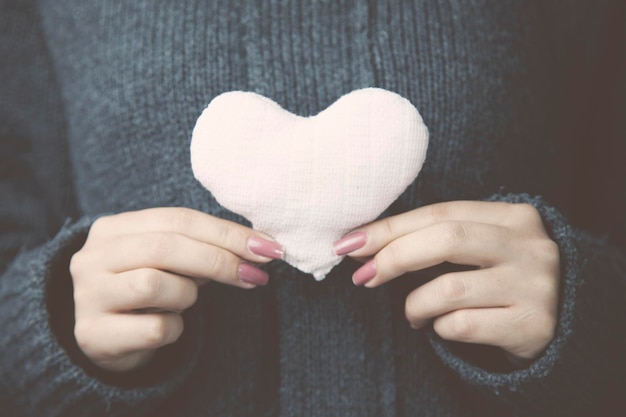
x=138, y=271
x=509, y=300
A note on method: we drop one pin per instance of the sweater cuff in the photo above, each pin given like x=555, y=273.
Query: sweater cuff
x=563, y=376
x=41, y=359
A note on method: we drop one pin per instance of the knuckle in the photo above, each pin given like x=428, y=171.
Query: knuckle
x=525, y=213
x=191, y=296
x=222, y=232
x=540, y=328
x=82, y=297
x=85, y=338
x=156, y=331
x=160, y=245
x=81, y=332
x=180, y=219
x=77, y=265
x=394, y=255
x=461, y=326
x=452, y=287
x=227, y=235
x=410, y=306
x=388, y=227
x=544, y=250
x=546, y=327
x=176, y=328
x=439, y=212
x=218, y=262
x=545, y=288
x=188, y=295
x=146, y=285
x=453, y=234
x=100, y=224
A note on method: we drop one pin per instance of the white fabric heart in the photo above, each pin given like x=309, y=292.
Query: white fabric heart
x=307, y=181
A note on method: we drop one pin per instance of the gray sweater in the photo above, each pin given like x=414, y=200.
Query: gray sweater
x=97, y=103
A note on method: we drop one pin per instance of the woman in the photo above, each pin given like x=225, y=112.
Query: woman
x=108, y=240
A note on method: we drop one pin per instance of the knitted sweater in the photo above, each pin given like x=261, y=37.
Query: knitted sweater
x=97, y=104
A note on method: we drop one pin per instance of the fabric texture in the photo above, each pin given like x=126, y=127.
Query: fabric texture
x=309, y=181
x=98, y=101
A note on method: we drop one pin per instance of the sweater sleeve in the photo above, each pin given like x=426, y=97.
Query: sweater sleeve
x=582, y=370
x=42, y=371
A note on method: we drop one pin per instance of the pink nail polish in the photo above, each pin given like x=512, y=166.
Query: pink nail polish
x=365, y=274
x=267, y=248
x=350, y=243
x=252, y=275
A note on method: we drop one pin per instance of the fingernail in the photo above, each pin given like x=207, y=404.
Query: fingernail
x=364, y=274
x=267, y=248
x=252, y=275
x=350, y=243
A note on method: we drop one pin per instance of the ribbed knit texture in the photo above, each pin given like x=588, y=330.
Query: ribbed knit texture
x=97, y=104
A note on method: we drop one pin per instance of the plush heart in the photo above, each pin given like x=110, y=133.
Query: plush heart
x=307, y=181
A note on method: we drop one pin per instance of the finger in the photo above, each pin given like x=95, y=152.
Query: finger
x=243, y=241
x=523, y=333
x=180, y=255
x=367, y=240
x=491, y=287
x=462, y=243
x=115, y=335
x=144, y=288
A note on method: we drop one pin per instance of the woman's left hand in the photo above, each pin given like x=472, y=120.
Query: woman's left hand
x=509, y=300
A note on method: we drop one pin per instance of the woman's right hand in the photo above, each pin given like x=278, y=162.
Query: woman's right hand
x=138, y=271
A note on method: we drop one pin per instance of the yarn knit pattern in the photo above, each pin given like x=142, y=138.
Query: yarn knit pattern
x=97, y=104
